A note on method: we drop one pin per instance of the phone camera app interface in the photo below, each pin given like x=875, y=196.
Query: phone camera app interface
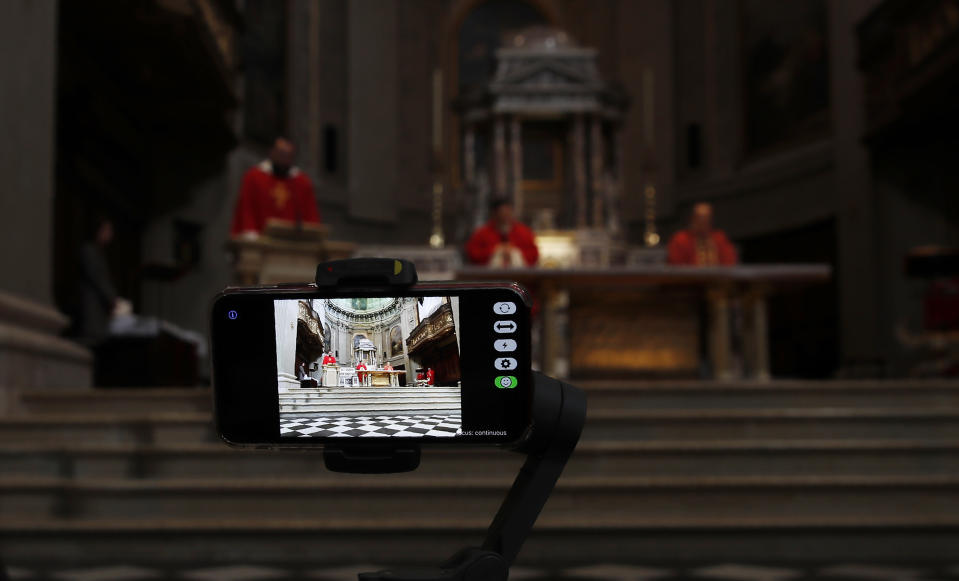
x=369, y=367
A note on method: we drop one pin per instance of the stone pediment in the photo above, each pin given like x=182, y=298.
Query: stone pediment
x=546, y=74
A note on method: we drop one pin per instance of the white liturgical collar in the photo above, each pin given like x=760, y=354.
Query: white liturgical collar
x=267, y=166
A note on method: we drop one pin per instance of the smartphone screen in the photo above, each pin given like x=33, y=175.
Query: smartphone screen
x=432, y=363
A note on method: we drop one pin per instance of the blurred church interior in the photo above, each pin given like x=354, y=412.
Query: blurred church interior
x=792, y=415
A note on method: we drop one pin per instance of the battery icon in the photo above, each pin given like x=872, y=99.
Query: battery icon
x=505, y=381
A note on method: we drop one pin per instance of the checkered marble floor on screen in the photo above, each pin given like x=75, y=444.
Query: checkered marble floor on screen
x=400, y=426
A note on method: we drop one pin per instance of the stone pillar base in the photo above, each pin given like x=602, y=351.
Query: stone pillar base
x=32, y=354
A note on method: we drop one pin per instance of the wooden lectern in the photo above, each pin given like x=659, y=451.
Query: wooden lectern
x=284, y=252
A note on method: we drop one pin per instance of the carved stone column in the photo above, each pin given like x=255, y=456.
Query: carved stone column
x=32, y=354
x=756, y=333
x=468, y=197
x=579, y=169
x=596, y=168
x=499, y=156
x=373, y=112
x=615, y=187
x=720, y=349
x=469, y=156
x=516, y=153
x=555, y=330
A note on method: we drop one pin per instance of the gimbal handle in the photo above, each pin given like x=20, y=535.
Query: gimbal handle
x=559, y=414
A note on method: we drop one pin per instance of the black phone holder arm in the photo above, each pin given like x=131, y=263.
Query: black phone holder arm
x=559, y=414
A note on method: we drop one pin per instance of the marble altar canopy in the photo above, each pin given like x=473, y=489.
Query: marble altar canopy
x=545, y=114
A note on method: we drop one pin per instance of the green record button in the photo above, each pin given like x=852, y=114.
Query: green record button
x=505, y=381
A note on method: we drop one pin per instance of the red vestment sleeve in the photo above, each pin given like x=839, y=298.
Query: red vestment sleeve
x=680, y=249
x=725, y=249
x=480, y=247
x=245, y=214
x=306, y=201
x=522, y=237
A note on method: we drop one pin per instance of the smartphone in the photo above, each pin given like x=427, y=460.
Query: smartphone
x=437, y=363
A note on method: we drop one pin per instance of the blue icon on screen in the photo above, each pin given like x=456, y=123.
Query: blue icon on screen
x=232, y=315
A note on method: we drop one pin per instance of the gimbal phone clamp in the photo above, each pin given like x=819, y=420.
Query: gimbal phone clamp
x=559, y=413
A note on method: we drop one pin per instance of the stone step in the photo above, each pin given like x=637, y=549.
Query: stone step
x=618, y=425
x=119, y=428
x=696, y=394
x=922, y=498
x=557, y=540
x=367, y=397
x=615, y=395
x=373, y=406
x=138, y=400
x=607, y=458
x=369, y=391
x=778, y=424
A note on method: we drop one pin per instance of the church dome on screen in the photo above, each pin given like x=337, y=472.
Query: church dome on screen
x=365, y=305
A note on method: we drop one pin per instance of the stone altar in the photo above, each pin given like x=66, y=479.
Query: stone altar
x=384, y=378
x=653, y=320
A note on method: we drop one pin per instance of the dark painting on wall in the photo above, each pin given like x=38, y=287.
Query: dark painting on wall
x=786, y=72
x=396, y=342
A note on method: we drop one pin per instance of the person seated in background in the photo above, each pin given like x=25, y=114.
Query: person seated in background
x=503, y=241
x=387, y=366
x=274, y=188
x=700, y=244
x=98, y=299
x=304, y=377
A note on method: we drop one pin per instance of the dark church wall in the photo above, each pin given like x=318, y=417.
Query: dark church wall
x=135, y=144
x=814, y=173
x=803, y=322
x=916, y=205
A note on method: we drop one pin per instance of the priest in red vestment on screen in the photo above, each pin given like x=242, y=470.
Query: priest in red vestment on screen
x=701, y=244
x=274, y=188
x=503, y=241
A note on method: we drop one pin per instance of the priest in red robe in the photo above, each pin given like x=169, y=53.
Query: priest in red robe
x=430, y=376
x=503, y=241
x=700, y=244
x=360, y=368
x=274, y=188
x=328, y=359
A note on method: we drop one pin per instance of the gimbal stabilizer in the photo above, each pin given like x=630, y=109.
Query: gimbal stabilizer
x=559, y=413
